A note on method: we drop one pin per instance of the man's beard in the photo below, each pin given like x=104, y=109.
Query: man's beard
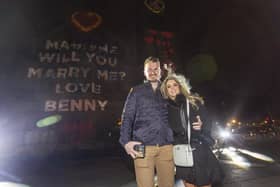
x=154, y=80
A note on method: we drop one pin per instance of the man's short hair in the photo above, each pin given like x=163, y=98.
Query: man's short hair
x=151, y=59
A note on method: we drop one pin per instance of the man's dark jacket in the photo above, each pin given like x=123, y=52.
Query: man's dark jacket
x=145, y=117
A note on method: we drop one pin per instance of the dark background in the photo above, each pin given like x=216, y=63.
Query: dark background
x=228, y=49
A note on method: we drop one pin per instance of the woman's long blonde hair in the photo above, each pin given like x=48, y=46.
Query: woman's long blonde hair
x=185, y=88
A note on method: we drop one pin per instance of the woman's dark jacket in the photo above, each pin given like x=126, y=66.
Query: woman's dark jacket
x=175, y=120
x=206, y=169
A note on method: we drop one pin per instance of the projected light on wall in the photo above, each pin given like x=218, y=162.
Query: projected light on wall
x=50, y=120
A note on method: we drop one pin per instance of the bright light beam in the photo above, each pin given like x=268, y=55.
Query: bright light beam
x=257, y=155
x=236, y=159
x=12, y=184
x=225, y=134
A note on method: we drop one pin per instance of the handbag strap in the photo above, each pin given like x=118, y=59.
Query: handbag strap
x=183, y=119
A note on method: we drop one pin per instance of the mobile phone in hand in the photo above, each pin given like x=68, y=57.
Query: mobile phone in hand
x=140, y=148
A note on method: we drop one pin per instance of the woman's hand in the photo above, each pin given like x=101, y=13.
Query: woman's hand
x=198, y=124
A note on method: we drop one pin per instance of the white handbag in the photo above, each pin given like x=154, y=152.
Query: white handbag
x=183, y=153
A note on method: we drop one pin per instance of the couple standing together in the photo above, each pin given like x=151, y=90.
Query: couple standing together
x=151, y=117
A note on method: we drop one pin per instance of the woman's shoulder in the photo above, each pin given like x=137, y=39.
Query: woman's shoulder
x=180, y=100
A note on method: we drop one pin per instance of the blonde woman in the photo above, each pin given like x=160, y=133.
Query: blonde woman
x=206, y=169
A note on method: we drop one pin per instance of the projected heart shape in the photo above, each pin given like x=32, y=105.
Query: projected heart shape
x=156, y=6
x=86, y=21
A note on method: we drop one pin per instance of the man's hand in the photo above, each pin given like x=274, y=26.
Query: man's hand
x=129, y=148
x=198, y=124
